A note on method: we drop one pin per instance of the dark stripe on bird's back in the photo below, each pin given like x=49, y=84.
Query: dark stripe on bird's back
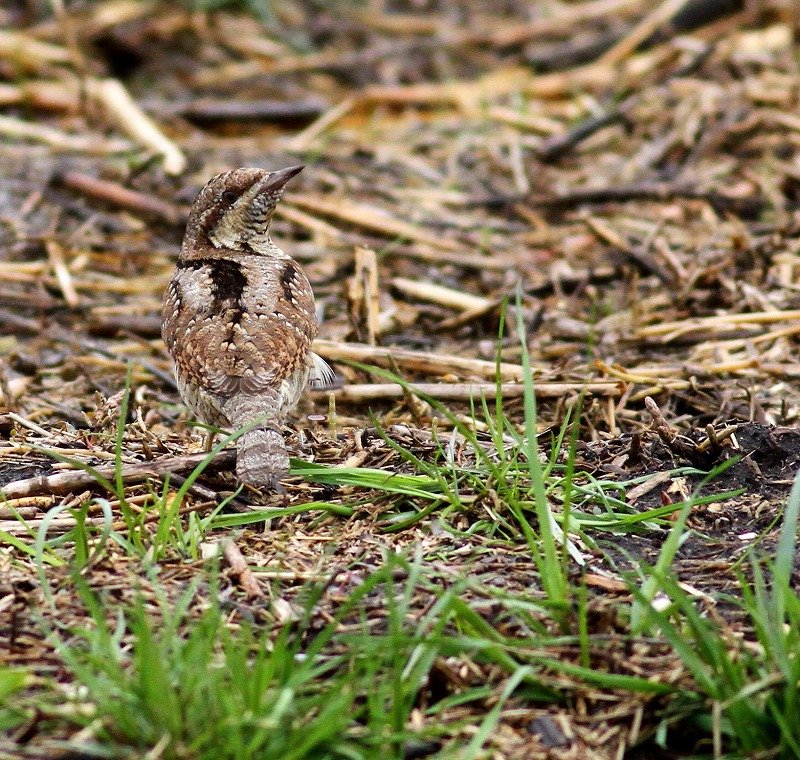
x=288, y=275
x=228, y=281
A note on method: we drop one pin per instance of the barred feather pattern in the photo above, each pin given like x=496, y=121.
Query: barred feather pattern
x=261, y=458
x=239, y=319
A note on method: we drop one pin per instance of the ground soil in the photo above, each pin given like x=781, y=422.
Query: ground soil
x=644, y=201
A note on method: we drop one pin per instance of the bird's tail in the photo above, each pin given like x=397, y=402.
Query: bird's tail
x=261, y=458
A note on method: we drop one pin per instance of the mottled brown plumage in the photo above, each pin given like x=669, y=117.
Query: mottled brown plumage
x=239, y=318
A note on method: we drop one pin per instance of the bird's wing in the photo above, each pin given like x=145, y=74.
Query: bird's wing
x=247, y=328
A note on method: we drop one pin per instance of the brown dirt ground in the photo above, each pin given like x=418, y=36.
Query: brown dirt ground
x=646, y=198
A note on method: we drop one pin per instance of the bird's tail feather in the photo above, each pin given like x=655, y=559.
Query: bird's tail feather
x=261, y=458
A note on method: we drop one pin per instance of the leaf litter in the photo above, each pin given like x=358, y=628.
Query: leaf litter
x=633, y=169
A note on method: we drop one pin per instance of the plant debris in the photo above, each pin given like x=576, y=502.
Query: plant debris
x=621, y=176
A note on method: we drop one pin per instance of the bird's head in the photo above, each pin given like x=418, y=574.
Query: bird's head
x=234, y=209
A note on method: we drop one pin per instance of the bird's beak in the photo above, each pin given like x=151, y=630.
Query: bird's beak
x=276, y=180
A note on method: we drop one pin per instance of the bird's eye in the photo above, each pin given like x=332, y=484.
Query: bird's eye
x=229, y=196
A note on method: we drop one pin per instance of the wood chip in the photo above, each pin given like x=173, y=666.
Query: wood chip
x=240, y=570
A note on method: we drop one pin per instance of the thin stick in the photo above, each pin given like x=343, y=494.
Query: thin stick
x=364, y=291
x=438, y=294
x=56, y=255
x=420, y=361
x=214, y=110
x=314, y=224
x=672, y=330
x=123, y=197
x=34, y=54
x=122, y=107
x=28, y=424
x=239, y=570
x=303, y=140
x=467, y=391
x=371, y=218
x=55, y=138
x=64, y=482
x=659, y=16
